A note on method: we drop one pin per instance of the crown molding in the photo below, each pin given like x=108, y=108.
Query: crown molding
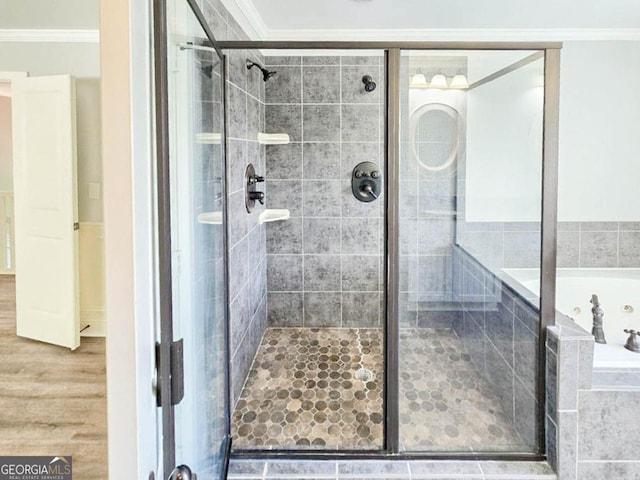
x=462, y=35
x=44, y=35
x=247, y=16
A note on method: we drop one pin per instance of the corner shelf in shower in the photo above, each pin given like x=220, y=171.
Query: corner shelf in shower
x=442, y=213
x=273, y=138
x=211, y=218
x=212, y=138
x=273, y=215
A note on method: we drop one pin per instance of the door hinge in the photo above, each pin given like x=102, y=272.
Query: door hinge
x=176, y=375
x=76, y=226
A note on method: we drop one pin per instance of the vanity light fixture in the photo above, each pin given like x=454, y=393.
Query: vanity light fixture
x=438, y=81
x=419, y=81
x=459, y=81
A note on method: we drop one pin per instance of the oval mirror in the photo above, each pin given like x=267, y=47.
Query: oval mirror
x=434, y=135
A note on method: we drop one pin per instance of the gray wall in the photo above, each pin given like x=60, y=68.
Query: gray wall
x=324, y=263
x=247, y=261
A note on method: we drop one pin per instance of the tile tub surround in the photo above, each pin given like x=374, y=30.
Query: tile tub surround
x=324, y=264
x=247, y=239
x=609, y=244
x=499, y=329
x=388, y=469
x=591, y=432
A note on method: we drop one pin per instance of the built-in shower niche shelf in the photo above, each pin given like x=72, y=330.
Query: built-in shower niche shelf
x=273, y=215
x=212, y=138
x=273, y=138
x=211, y=218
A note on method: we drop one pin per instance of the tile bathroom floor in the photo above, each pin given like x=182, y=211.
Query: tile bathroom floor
x=303, y=391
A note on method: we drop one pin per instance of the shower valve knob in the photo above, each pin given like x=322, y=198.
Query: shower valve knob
x=259, y=196
x=360, y=174
x=375, y=174
x=259, y=178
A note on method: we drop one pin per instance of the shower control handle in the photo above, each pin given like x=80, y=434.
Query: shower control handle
x=366, y=182
x=366, y=188
x=250, y=193
x=256, y=179
x=259, y=196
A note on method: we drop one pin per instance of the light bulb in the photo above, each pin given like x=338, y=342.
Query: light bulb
x=459, y=81
x=418, y=81
x=438, y=81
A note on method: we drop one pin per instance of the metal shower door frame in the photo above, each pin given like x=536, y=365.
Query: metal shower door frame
x=168, y=369
x=391, y=447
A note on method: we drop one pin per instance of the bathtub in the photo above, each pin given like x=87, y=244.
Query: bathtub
x=618, y=290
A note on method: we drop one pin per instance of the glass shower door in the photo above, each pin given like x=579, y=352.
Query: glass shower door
x=198, y=269
x=470, y=212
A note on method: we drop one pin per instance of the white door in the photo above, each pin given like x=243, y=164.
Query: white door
x=46, y=211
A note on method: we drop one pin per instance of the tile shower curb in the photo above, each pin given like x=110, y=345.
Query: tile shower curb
x=389, y=469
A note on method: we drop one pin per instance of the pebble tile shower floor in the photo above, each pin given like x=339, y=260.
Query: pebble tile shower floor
x=302, y=391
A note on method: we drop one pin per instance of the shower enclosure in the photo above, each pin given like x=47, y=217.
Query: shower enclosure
x=361, y=305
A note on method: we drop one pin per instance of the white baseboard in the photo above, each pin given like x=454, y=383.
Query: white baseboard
x=93, y=323
x=92, y=309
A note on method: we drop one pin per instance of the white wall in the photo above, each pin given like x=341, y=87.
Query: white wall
x=6, y=163
x=129, y=238
x=599, y=164
x=58, y=14
x=83, y=62
x=599, y=177
x=504, y=148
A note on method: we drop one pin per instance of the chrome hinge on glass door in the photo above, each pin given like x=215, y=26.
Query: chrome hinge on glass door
x=176, y=375
x=182, y=472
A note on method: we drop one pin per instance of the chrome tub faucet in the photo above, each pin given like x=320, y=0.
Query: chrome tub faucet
x=633, y=342
x=598, y=314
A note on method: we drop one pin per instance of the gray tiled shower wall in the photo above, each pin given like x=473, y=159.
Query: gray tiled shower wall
x=324, y=264
x=580, y=244
x=247, y=253
x=499, y=329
